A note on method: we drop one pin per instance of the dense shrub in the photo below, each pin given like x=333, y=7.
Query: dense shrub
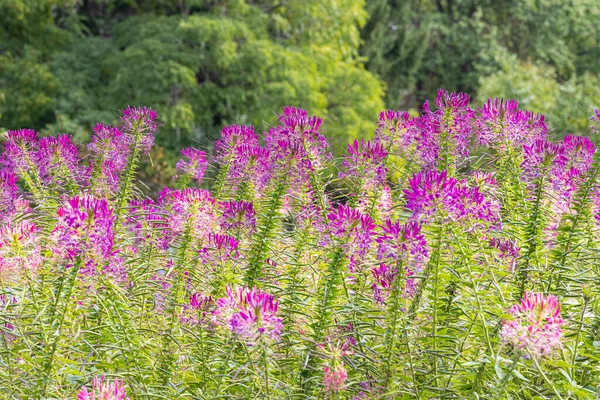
x=455, y=256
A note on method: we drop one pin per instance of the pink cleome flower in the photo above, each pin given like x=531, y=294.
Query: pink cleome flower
x=334, y=379
x=249, y=313
x=536, y=327
x=103, y=389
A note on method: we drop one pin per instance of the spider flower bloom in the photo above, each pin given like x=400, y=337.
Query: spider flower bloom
x=198, y=311
x=297, y=148
x=249, y=313
x=576, y=155
x=391, y=128
x=536, y=325
x=507, y=251
x=193, y=164
x=19, y=250
x=238, y=217
x=252, y=166
x=403, y=242
x=57, y=159
x=502, y=125
x=365, y=163
x=443, y=136
x=434, y=193
x=109, y=150
x=539, y=157
x=354, y=231
x=9, y=193
x=148, y=222
x=19, y=150
x=221, y=248
x=84, y=229
x=334, y=379
x=103, y=389
x=189, y=207
x=231, y=137
x=139, y=125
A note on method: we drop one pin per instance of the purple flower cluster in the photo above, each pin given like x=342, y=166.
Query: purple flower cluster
x=432, y=194
x=365, y=163
x=19, y=150
x=502, y=125
x=221, y=248
x=57, y=160
x=353, y=230
x=108, y=150
x=103, y=389
x=249, y=313
x=536, y=325
x=392, y=128
x=9, y=195
x=193, y=164
x=141, y=122
x=189, y=207
x=238, y=217
x=20, y=250
x=400, y=246
x=84, y=230
x=296, y=146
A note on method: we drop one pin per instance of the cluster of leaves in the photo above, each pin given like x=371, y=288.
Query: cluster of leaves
x=456, y=258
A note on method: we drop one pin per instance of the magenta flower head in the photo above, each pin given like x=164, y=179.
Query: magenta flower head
x=334, y=379
x=251, y=166
x=193, y=164
x=508, y=251
x=19, y=150
x=444, y=134
x=296, y=146
x=502, y=125
x=400, y=246
x=220, y=249
x=189, y=207
x=352, y=230
x=140, y=122
x=84, y=230
x=539, y=157
x=403, y=242
x=199, y=310
x=434, y=194
x=574, y=160
x=365, y=163
x=249, y=313
x=536, y=325
x=57, y=159
x=455, y=101
x=9, y=194
x=391, y=128
x=108, y=151
x=238, y=217
x=231, y=138
x=20, y=250
x=103, y=389
x=149, y=224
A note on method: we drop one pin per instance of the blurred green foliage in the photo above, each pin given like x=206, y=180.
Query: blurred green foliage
x=546, y=53
x=65, y=64
x=201, y=64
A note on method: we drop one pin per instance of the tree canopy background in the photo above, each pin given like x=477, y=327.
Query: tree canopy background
x=65, y=64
